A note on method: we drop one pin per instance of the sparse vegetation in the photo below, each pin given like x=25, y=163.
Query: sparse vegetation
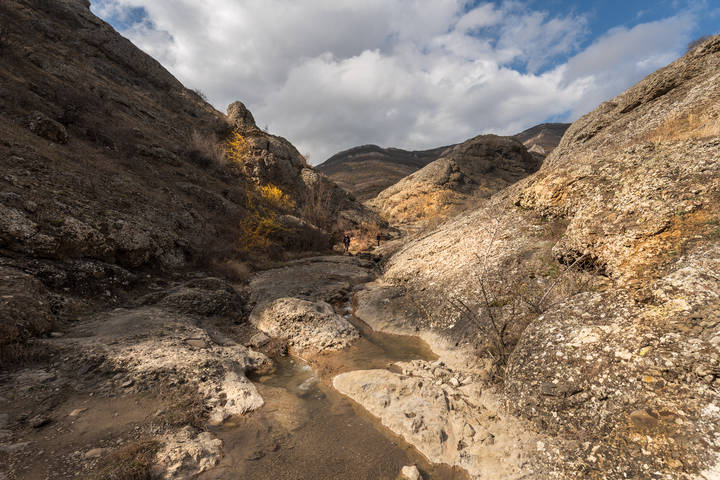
x=207, y=150
x=129, y=462
x=509, y=299
x=201, y=94
x=697, y=42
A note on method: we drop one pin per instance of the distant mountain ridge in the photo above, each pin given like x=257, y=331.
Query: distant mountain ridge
x=367, y=170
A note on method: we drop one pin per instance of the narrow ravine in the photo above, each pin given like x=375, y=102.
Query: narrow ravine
x=307, y=430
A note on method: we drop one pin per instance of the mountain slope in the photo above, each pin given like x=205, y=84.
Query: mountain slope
x=365, y=171
x=591, y=286
x=477, y=167
x=543, y=138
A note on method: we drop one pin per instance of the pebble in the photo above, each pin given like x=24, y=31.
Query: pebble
x=95, y=453
x=411, y=472
x=57, y=334
x=454, y=382
x=127, y=384
x=77, y=412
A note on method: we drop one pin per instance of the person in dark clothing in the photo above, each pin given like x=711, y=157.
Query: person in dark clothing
x=346, y=242
x=377, y=237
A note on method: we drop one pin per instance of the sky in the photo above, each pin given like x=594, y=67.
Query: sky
x=329, y=75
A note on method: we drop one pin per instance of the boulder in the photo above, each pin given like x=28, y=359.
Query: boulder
x=40, y=124
x=309, y=327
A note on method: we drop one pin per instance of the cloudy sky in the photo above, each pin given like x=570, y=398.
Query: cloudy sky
x=332, y=74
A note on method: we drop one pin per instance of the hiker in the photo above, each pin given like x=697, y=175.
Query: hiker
x=346, y=242
x=377, y=237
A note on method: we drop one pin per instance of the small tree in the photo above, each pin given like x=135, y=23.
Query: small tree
x=236, y=147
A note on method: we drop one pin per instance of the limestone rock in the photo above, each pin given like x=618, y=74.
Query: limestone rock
x=308, y=326
x=240, y=116
x=186, y=454
x=410, y=472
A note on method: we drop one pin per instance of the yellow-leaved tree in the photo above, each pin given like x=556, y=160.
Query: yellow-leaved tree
x=236, y=147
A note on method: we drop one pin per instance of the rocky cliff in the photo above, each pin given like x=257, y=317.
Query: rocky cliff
x=475, y=168
x=591, y=287
x=367, y=170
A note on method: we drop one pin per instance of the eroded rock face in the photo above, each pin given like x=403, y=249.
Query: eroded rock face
x=309, y=327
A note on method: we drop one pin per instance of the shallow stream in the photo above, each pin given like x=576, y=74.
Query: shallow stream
x=308, y=431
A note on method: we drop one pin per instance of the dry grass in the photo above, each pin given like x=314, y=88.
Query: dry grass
x=691, y=126
x=186, y=406
x=207, y=150
x=129, y=462
x=364, y=237
x=232, y=270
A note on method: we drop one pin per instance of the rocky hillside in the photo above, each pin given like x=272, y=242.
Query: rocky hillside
x=543, y=138
x=367, y=170
x=591, y=287
x=475, y=168
x=128, y=205
x=107, y=157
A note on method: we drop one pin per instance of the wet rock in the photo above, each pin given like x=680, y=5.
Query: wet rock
x=259, y=340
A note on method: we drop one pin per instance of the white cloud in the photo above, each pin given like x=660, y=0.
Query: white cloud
x=331, y=74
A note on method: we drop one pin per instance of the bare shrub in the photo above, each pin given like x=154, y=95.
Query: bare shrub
x=697, y=42
x=129, y=462
x=207, y=150
x=511, y=298
x=232, y=270
x=201, y=94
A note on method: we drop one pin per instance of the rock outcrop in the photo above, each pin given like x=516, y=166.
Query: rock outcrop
x=478, y=168
x=593, y=283
x=367, y=170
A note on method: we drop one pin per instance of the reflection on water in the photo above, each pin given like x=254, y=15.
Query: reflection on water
x=308, y=431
